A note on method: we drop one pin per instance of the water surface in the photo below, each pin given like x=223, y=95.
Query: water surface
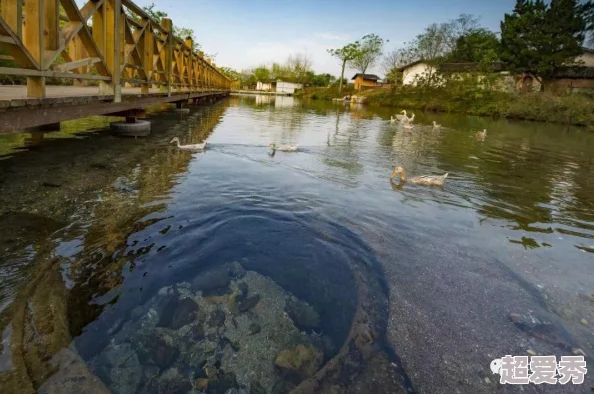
x=101, y=236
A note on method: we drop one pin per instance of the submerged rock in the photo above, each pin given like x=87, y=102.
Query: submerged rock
x=217, y=318
x=163, y=354
x=299, y=363
x=177, y=314
x=172, y=381
x=256, y=388
x=303, y=315
x=254, y=328
x=123, y=368
x=282, y=387
x=237, y=270
x=249, y=303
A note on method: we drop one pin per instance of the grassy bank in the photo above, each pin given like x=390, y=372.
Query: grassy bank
x=324, y=93
x=568, y=109
x=577, y=109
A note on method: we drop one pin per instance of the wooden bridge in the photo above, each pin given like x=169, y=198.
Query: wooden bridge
x=132, y=60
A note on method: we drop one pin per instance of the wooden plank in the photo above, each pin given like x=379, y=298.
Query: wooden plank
x=7, y=40
x=76, y=64
x=33, y=38
x=140, y=12
x=68, y=32
x=74, y=15
x=12, y=13
x=146, y=48
x=18, y=50
x=89, y=9
x=50, y=29
x=45, y=73
x=168, y=49
x=19, y=119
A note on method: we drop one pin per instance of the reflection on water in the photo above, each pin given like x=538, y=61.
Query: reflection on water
x=131, y=266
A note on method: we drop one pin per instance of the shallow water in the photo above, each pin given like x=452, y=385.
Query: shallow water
x=405, y=279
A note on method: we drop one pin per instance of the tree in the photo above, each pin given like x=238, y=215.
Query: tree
x=369, y=52
x=478, y=46
x=231, y=73
x=298, y=66
x=262, y=74
x=394, y=60
x=539, y=38
x=345, y=54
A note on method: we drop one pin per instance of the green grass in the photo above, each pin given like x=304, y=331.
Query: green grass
x=577, y=109
x=324, y=93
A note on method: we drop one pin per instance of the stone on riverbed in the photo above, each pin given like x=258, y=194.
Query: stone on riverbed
x=303, y=315
x=177, y=314
x=299, y=363
x=249, y=303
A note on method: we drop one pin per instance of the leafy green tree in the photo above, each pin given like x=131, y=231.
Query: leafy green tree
x=345, y=54
x=539, y=38
x=370, y=50
x=478, y=46
x=230, y=73
x=262, y=74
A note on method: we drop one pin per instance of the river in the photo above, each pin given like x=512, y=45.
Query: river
x=128, y=265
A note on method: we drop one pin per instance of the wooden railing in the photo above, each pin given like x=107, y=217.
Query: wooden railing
x=112, y=41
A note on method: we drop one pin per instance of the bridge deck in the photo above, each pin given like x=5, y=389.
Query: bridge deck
x=18, y=112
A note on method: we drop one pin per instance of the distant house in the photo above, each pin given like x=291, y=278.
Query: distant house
x=587, y=57
x=278, y=86
x=365, y=80
x=415, y=70
x=264, y=86
x=287, y=87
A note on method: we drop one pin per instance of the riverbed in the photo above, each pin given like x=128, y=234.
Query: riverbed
x=129, y=265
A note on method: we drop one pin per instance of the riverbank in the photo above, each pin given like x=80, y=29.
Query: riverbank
x=575, y=109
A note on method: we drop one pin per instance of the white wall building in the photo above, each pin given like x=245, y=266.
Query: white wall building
x=287, y=87
x=264, y=86
x=412, y=72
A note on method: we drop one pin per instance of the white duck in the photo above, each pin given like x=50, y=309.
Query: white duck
x=436, y=126
x=400, y=118
x=283, y=148
x=195, y=147
x=407, y=126
x=408, y=120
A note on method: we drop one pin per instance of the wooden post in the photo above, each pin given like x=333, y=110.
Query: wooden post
x=168, y=26
x=34, y=42
x=112, y=13
x=189, y=64
x=201, y=70
x=147, y=51
x=51, y=27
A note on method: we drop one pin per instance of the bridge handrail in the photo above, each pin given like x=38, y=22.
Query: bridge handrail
x=112, y=41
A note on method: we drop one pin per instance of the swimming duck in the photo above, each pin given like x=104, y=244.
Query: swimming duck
x=407, y=126
x=284, y=148
x=481, y=135
x=196, y=147
x=400, y=118
x=408, y=120
x=425, y=180
x=436, y=126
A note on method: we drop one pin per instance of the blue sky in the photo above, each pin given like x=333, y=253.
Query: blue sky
x=246, y=33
